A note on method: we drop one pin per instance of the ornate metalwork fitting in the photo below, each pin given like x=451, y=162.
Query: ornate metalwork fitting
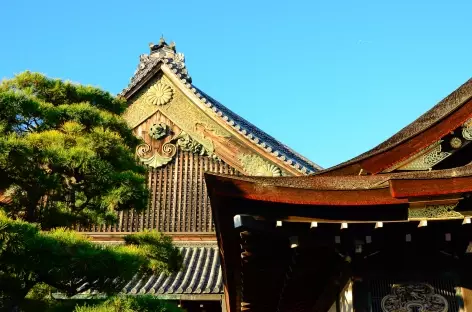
x=455, y=142
x=158, y=131
x=419, y=296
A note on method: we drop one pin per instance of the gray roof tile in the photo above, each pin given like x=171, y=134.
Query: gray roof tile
x=201, y=273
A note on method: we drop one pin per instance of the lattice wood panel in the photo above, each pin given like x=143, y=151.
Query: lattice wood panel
x=178, y=198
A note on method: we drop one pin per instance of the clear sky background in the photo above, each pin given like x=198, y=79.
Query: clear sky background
x=331, y=79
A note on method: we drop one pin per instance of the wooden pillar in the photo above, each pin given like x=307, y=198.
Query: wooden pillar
x=466, y=298
x=223, y=304
x=360, y=296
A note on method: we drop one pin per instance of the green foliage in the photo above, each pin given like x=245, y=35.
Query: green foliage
x=66, y=157
x=71, y=263
x=130, y=304
x=158, y=249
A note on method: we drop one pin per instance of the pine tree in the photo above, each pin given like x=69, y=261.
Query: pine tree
x=66, y=156
x=66, y=160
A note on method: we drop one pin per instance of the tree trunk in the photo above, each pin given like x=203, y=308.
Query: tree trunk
x=31, y=207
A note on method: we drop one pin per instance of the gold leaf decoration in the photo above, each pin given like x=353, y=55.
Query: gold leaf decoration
x=159, y=94
x=434, y=212
x=257, y=166
x=187, y=143
x=427, y=159
x=143, y=150
x=467, y=130
x=155, y=160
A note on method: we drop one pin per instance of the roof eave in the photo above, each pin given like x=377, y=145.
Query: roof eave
x=442, y=111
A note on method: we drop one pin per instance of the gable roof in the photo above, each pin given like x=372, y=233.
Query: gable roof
x=165, y=56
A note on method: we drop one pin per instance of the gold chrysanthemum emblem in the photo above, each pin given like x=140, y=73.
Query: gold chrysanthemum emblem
x=159, y=94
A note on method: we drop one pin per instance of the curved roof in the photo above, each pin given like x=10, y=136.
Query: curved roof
x=435, y=115
x=382, y=189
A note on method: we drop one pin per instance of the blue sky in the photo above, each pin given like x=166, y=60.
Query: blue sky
x=331, y=79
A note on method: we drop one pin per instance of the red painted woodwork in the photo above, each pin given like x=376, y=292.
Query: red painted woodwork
x=403, y=151
x=290, y=195
x=430, y=187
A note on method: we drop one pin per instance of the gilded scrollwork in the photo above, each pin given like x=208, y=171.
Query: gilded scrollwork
x=143, y=150
x=414, y=297
x=169, y=149
x=434, y=212
x=428, y=159
x=257, y=166
x=150, y=158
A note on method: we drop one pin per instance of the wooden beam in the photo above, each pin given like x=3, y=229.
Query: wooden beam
x=404, y=150
x=176, y=236
x=407, y=188
x=235, y=188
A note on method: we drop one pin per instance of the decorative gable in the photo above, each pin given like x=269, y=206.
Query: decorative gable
x=167, y=120
x=162, y=85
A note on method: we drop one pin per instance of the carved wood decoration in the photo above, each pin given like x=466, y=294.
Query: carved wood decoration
x=414, y=297
x=186, y=127
x=432, y=155
x=427, y=158
x=434, y=212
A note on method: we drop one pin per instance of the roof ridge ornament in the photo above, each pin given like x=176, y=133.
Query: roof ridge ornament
x=159, y=52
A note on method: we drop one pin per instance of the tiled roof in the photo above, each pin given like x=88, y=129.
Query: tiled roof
x=175, y=61
x=269, y=143
x=201, y=274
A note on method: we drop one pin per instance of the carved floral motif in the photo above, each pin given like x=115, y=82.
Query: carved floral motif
x=414, y=297
x=455, y=142
x=159, y=94
x=257, y=166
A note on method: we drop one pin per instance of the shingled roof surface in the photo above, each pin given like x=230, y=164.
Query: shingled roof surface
x=201, y=274
x=165, y=55
x=438, y=112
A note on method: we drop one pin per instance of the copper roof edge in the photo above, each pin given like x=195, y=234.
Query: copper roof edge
x=345, y=182
x=431, y=117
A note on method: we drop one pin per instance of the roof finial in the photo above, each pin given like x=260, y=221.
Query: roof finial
x=162, y=40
